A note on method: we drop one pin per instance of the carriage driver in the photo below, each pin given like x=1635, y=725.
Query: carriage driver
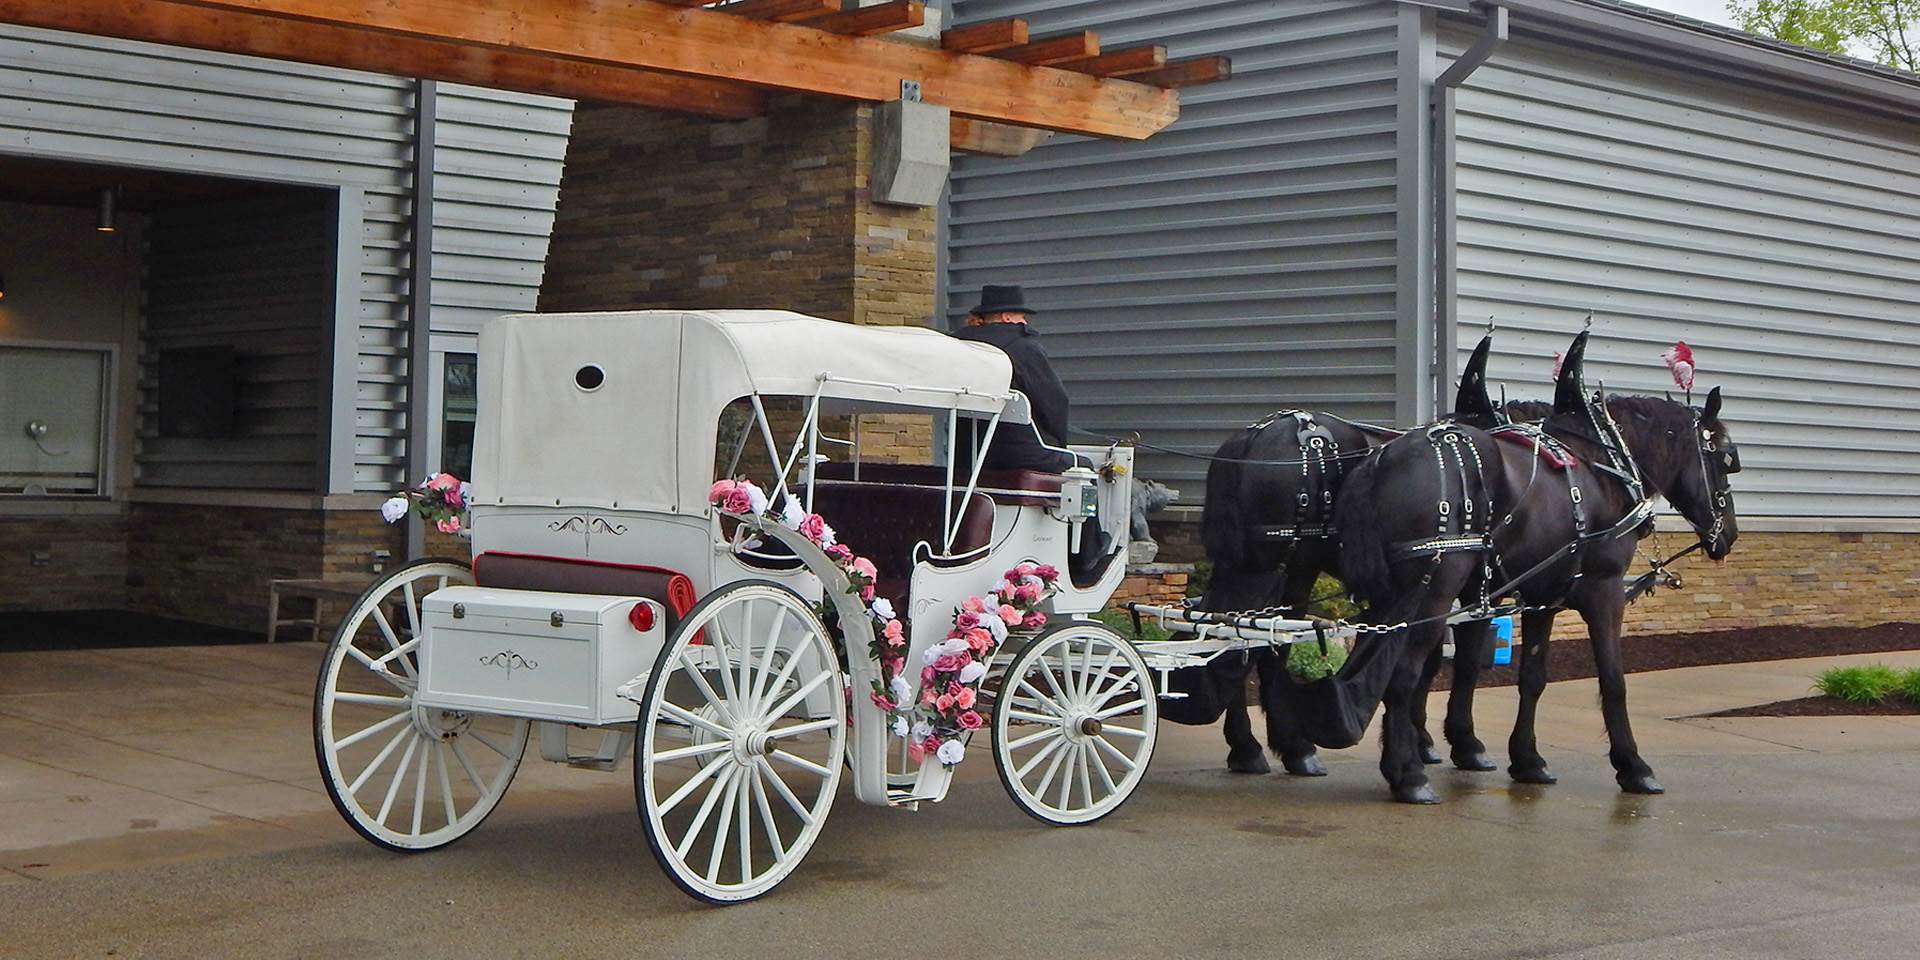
x=1001, y=321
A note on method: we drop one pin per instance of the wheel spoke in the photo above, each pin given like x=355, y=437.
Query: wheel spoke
x=744, y=824
x=786, y=793
x=1051, y=731
x=693, y=783
x=768, y=826
x=399, y=777
x=691, y=718
x=1136, y=733
x=765, y=672
x=693, y=673
x=446, y=782
x=487, y=741
x=1118, y=756
x=386, y=724
x=1050, y=719
x=420, y=788
x=1048, y=702
x=1125, y=708
x=697, y=750
x=717, y=856
x=803, y=763
x=373, y=700
x=393, y=744
x=1044, y=752
x=794, y=699
x=466, y=763
x=714, y=791
x=781, y=733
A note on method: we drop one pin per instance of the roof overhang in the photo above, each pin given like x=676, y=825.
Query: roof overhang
x=686, y=55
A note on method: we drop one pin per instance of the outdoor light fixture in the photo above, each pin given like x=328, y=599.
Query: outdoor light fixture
x=3, y=285
x=108, y=197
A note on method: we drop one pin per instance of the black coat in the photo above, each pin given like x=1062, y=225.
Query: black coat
x=1033, y=374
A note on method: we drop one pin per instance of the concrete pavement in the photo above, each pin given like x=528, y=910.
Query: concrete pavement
x=178, y=786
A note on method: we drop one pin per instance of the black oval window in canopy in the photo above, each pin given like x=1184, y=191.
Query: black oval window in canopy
x=589, y=377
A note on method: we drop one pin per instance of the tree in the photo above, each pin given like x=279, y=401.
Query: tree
x=1883, y=30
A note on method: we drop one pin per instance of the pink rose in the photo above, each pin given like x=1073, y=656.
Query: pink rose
x=926, y=676
x=443, y=481
x=1047, y=572
x=950, y=662
x=953, y=688
x=892, y=665
x=979, y=639
x=974, y=604
x=720, y=489
x=892, y=632
x=449, y=525
x=1009, y=614
x=452, y=495
x=943, y=703
x=865, y=567
x=811, y=526
x=1027, y=591
x=964, y=699
x=840, y=552
x=1023, y=570
x=1034, y=619
x=967, y=620
x=970, y=720
x=737, y=501
x=926, y=696
x=931, y=744
x=915, y=751
x=882, y=701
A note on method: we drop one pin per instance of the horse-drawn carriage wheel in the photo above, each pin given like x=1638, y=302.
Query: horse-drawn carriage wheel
x=741, y=739
x=404, y=776
x=1074, y=723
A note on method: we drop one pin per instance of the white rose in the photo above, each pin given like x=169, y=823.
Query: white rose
x=902, y=691
x=899, y=726
x=972, y=672
x=922, y=730
x=757, y=499
x=954, y=645
x=790, y=514
x=951, y=752
x=394, y=509
x=882, y=609
x=995, y=626
x=929, y=655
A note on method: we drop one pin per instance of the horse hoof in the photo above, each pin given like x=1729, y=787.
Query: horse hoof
x=1640, y=784
x=1307, y=766
x=1253, y=764
x=1429, y=755
x=1540, y=775
x=1473, y=761
x=1420, y=794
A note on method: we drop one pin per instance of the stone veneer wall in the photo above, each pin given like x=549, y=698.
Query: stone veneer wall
x=86, y=562
x=1771, y=578
x=212, y=564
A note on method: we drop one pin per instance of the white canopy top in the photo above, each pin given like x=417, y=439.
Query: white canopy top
x=642, y=436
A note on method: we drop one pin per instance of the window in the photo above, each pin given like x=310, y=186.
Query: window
x=53, y=420
x=459, y=399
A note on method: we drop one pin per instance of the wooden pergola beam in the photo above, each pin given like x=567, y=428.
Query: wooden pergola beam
x=643, y=35
x=984, y=37
x=1119, y=63
x=337, y=46
x=781, y=10
x=872, y=21
x=1186, y=73
x=1071, y=46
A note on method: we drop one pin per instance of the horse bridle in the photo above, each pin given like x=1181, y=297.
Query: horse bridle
x=1720, y=487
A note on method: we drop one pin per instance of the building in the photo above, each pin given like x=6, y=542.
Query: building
x=1335, y=225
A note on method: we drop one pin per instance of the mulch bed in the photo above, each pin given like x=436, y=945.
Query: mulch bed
x=1573, y=660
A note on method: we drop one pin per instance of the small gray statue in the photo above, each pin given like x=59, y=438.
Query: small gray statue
x=1148, y=496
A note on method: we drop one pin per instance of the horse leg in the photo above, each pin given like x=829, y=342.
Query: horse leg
x=1297, y=754
x=1400, y=760
x=1527, y=766
x=1229, y=673
x=1428, y=670
x=1469, y=645
x=1602, y=610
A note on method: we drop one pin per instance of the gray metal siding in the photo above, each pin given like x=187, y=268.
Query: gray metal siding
x=72, y=97
x=497, y=159
x=1246, y=258
x=1779, y=239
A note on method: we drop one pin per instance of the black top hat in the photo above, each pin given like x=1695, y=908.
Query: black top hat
x=1000, y=298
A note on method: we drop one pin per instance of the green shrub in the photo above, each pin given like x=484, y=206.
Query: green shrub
x=1909, y=686
x=1864, y=684
x=1122, y=623
x=1306, y=661
x=1201, y=576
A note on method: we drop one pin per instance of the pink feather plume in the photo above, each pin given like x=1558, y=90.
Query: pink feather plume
x=1557, y=361
x=1679, y=358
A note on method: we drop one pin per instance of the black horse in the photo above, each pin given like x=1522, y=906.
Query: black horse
x=1454, y=513
x=1269, y=530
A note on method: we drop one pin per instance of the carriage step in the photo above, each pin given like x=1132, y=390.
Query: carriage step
x=615, y=744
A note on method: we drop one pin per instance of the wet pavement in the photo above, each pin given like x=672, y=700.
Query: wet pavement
x=164, y=802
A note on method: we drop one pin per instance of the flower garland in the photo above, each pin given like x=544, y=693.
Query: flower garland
x=441, y=499
x=952, y=670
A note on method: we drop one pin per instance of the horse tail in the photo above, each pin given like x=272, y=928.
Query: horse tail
x=1363, y=550
x=1223, y=530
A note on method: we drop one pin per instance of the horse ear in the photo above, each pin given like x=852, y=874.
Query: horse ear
x=1569, y=392
x=1713, y=405
x=1471, y=405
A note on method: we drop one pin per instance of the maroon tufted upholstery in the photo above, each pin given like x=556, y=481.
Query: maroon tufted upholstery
x=883, y=521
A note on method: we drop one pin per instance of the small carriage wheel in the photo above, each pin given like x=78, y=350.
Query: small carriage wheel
x=406, y=777
x=1074, y=723
x=742, y=735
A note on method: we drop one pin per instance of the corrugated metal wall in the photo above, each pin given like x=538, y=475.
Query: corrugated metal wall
x=71, y=97
x=1243, y=259
x=497, y=158
x=1780, y=238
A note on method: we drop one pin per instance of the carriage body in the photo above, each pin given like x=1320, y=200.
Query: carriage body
x=604, y=584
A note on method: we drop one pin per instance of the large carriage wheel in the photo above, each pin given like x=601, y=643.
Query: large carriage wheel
x=1074, y=723
x=742, y=735
x=406, y=777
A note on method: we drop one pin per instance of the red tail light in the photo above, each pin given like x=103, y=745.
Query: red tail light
x=641, y=616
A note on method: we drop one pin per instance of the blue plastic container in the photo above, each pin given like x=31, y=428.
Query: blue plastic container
x=1502, y=640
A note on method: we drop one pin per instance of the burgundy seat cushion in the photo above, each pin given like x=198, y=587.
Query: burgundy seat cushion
x=523, y=571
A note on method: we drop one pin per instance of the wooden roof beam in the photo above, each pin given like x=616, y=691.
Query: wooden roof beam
x=872, y=21
x=1120, y=62
x=1040, y=53
x=1187, y=73
x=646, y=36
x=781, y=11
x=984, y=37
x=360, y=50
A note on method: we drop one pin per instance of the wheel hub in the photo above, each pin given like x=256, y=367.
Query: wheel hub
x=1090, y=726
x=442, y=725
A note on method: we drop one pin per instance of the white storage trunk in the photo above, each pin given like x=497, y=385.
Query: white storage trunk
x=549, y=656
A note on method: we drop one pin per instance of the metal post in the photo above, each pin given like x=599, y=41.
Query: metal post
x=420, y=303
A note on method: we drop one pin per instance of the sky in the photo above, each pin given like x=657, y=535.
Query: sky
x=1712, y=11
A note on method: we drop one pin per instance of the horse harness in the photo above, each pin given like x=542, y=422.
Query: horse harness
x=1320, y=472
